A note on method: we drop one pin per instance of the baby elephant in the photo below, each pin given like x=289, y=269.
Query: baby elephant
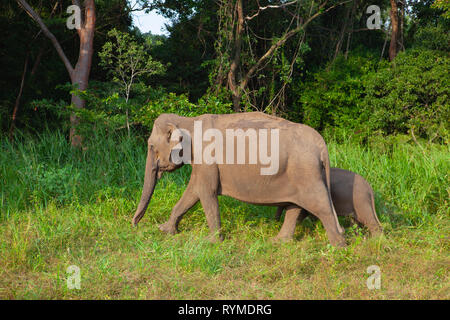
x=352, y=196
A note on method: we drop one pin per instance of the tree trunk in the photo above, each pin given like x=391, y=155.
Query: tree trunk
x=385, y=42
x=342, y=35
x=350, y=32
x=232, y=74
x=37, y=61
x=79, y=75
x=402, y=25
x=19, y=95
x=395, y=30
x=22, y=84
x=236, y=99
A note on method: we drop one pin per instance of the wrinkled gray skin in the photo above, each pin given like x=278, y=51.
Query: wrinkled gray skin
x=352, y=196
x=302, y=180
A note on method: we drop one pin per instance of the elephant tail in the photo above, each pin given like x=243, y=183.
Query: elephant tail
x=377, y=228
x=325, y=159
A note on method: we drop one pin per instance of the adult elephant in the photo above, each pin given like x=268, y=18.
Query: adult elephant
x=298, y=175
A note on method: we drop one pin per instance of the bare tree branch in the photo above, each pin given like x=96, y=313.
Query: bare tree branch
x=48, y=34
x=19, y=96
x=282, y=5
x=283, y=39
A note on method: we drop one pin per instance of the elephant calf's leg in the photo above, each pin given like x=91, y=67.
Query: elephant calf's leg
x=187, y=201
x=366, y=215
x=279, y=213
x=290, y=221
x=303, y=214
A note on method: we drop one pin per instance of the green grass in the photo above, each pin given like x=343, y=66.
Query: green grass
x=62, y=207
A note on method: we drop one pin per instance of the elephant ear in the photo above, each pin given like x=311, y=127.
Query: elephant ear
x=171, y=128
x=174, y=134
x=179, y=140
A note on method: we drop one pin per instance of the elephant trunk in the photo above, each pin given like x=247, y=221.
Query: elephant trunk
x=151, y=171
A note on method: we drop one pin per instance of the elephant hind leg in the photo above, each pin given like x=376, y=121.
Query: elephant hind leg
x=366, y=215
x=210, y=205
x=318, y=202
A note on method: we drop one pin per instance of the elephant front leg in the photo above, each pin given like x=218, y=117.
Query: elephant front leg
x=187, y=201
x=210, y=205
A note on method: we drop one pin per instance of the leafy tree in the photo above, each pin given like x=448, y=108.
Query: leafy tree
x=362, y=96
x=31, y=67
x=127, y=61
x=190, y=46
x=410, y=96
x=240, y=57
x=444, y=5
x=79, y=75
x=331, y=97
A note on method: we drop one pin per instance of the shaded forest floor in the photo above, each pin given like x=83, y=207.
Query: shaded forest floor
x=63, y=207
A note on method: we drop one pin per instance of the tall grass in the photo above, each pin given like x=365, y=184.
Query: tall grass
x=61, y=206
x=45, y=168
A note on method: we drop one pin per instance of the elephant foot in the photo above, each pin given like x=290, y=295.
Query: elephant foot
x=281, y=239
x=168, y=228
x=375, y=231
x=338, y=242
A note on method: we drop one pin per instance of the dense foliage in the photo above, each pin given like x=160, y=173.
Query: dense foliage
x=328, y=77
x=412, y=93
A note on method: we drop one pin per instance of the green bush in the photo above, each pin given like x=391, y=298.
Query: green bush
x=433, y=38
x=331, y=96
x=412, y=94
x=362, y=97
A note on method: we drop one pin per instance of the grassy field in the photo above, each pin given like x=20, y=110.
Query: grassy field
x=62, y=207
